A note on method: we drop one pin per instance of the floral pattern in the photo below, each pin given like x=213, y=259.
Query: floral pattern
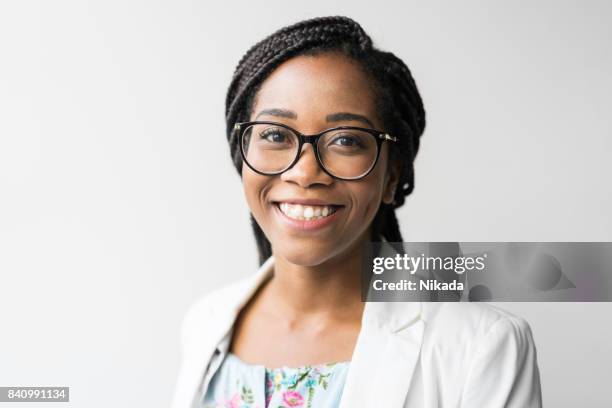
x=284, y=387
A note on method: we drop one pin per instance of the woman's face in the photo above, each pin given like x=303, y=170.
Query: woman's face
x=306, y=93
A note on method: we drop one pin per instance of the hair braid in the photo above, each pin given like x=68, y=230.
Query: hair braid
x=398, y=100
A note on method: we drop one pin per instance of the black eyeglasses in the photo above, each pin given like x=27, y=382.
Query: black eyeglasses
x=343, y=152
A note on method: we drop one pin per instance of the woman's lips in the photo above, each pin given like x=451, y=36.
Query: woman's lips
x=307, y=224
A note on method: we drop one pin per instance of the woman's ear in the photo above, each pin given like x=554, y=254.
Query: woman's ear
x=393, y=177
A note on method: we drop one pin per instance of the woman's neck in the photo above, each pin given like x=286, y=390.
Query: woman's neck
x=329, y=290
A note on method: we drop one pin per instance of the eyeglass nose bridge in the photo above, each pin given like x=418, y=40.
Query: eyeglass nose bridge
x=313, y=140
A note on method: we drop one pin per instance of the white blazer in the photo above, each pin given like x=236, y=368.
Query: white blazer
x=408, y=354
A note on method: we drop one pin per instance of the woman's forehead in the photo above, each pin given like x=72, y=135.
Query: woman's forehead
x=317, y=85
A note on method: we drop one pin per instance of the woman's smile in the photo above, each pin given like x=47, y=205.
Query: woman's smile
x=302, y=215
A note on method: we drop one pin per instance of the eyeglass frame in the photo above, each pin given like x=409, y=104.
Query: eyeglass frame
x=313, y=140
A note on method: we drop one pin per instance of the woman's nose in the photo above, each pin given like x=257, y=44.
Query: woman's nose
x=307, y=170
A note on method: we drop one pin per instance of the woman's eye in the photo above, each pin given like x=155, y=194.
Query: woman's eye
x=274, y=137
x=347, y=141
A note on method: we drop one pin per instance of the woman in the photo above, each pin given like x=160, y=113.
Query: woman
x=297, y=333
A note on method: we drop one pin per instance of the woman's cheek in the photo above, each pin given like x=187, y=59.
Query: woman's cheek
x=255, y=187
x=367, y=198
x=251, y=188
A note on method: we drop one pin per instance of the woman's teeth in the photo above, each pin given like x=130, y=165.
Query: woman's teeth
x=306, y=212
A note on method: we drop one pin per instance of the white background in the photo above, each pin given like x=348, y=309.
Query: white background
x=119, y=204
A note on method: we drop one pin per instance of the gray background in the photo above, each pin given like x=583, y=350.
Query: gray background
x=119, y=204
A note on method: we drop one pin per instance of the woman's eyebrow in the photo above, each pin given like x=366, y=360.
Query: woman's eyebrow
x=282, y=113
x=340, y=116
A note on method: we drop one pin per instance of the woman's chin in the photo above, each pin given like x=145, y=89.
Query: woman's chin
x=305, y=253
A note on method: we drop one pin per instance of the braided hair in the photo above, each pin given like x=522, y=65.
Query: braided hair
x=398, y=101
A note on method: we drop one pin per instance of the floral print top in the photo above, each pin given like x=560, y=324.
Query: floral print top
x=237, y=384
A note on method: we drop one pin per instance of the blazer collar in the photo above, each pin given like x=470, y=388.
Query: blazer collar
x=385, y=355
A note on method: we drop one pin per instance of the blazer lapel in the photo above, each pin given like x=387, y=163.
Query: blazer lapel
x=385, y=356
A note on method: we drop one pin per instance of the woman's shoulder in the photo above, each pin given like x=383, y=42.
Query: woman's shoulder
x=214, y=304
x=230, y=295
x=217, y=299
x=474, y=322
x=487, y=349
x=471, y=313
